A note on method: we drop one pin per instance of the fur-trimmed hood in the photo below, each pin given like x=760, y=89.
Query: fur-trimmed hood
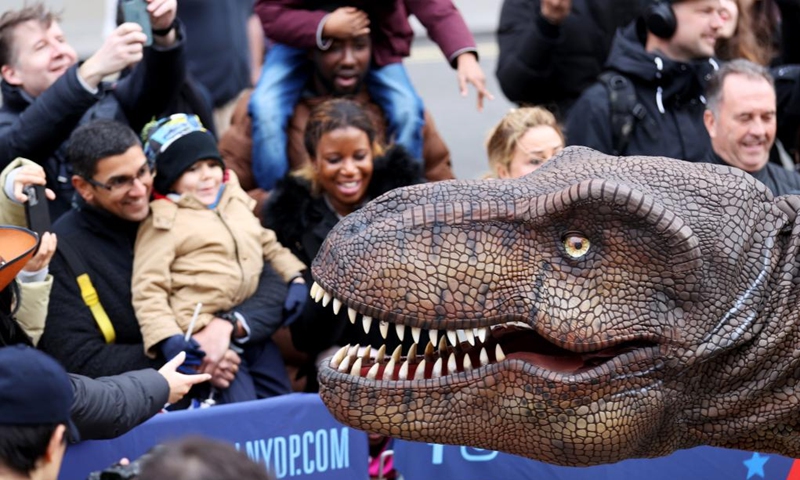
x=292, y=211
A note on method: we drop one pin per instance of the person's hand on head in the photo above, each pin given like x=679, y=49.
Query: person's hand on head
x=556, y=11
x=29, y=175
x=176, y=344
x=346, y=22
x=123, y=47
x=469, y=71
x=180, y=384
x=47, y=247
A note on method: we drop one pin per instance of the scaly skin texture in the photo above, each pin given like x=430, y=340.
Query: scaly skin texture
x=676, y=327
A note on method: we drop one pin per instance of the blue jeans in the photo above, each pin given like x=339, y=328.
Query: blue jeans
x=282, y=80
x=277, y=92
x=391, y=89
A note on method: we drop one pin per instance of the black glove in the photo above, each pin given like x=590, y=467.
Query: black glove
x=194, y=354
x=295, y=301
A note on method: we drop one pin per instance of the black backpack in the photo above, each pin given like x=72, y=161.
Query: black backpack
x=626, y=111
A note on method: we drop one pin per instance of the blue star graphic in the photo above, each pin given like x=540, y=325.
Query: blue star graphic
x=755, y=465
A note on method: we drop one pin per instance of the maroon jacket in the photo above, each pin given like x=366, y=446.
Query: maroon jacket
x=293, y=23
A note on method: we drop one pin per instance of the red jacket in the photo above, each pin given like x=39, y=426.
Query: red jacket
x=292, y=23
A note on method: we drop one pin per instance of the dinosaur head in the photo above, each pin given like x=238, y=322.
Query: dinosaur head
x=564, y=308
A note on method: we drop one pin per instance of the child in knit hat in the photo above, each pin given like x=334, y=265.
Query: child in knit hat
x=201, y=248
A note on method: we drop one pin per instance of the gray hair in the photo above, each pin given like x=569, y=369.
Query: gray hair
x=739, y=66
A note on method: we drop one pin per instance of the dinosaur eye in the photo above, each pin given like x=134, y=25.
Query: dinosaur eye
x=576, y=245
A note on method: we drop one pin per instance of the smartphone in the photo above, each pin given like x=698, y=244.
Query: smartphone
x=36, y=210
x=136, y=11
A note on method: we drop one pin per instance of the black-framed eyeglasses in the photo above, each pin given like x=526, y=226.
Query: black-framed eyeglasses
x=124, y=182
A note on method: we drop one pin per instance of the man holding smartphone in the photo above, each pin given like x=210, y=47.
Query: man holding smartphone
x=47, y=94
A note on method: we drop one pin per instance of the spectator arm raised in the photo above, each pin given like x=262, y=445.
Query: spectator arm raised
x=285, y=21
x=41, y=128
x=153, y=83
x=526, y=44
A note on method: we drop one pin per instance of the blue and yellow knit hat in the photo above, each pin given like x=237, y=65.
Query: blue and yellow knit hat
x=175, y=143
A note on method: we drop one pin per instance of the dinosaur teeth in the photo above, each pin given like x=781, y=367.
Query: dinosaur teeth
x=381, y=354
x=345, y=365
x=339, y=356
x=372, y=374
x=499, y=356
x=437, y=368
x=412, y=353
x=384, y=327
x=415, y=333
x=403, y=373
x=469, y=336
x=451, y=335
x=446, y=351
x=451, y=364
x=420, y=373
x=356, y=369
x=481, y=334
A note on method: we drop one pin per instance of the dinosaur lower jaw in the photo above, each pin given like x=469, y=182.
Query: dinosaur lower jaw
x=458, y=351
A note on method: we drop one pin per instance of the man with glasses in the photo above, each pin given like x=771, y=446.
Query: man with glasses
x=114, y=181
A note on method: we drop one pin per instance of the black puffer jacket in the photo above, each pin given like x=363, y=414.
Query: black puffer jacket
x=37, y=128
x=301, y=223
x=550, y=65
x=101, y=408
x=671, y=93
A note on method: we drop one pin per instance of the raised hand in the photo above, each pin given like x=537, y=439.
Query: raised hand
x=555, y=11
x=469, y=71
x=124, y=47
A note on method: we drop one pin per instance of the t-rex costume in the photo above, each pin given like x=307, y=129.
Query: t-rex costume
x=606, y=308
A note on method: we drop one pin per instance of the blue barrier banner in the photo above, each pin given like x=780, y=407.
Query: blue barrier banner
x=417, y=461
x=294, y=436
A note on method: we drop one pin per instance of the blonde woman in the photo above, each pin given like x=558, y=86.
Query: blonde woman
x=523, y=140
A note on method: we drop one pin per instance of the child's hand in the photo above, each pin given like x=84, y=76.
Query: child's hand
x=180, y=384
x=470, y=72
x=346, y=22
x=193, y=357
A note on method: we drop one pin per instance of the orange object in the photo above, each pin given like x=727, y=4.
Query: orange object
x=17, y=246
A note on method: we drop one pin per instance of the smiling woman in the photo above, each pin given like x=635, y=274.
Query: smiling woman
x=347, y=169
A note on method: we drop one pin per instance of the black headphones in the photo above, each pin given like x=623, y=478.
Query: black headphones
x=660, y=19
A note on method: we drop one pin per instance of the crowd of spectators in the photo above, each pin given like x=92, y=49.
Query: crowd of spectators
x=192, y=179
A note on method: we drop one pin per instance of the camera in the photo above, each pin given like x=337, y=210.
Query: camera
x=118, y=472
x=123, y=472
x=36, y=211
